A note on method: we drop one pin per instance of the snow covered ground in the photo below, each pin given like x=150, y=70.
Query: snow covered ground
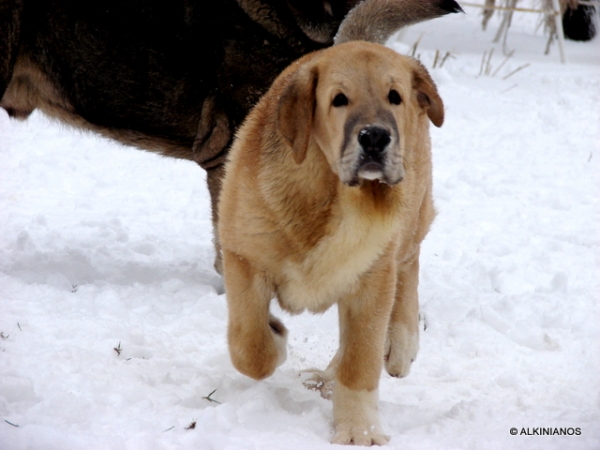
x=113, y=325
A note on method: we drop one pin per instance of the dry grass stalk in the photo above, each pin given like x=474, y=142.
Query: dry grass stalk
x=503, y=62
x=516, y=70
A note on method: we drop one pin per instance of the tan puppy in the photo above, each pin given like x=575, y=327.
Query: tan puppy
x=326, y=199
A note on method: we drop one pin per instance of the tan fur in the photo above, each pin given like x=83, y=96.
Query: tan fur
x=299, y=224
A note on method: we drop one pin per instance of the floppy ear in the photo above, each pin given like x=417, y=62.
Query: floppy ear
x=296, y=112
x=427, y=95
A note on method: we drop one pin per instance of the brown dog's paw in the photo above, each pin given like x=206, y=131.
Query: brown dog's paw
x=401, y=350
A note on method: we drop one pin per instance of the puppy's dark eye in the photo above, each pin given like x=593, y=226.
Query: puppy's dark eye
x=394, y=97
x=340, y=100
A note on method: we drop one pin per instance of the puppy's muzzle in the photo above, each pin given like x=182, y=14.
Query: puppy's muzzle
x=374, y=142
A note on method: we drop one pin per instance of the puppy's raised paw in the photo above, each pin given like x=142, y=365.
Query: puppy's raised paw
x=280, y=334
x=256, y=351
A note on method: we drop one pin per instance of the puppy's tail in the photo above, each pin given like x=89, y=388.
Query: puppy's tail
x=377, y=20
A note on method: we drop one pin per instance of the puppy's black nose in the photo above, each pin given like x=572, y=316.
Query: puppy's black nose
x=374, y=139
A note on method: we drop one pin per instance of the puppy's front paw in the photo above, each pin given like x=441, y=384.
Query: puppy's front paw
x=401, y=350
x=347, y=434
x=355, y=417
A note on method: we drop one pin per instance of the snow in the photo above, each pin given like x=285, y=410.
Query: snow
x=113, y=321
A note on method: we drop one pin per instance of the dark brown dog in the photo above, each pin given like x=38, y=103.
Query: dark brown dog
x=170, y=76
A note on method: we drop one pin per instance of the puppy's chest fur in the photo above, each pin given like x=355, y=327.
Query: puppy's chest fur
x=333, y=267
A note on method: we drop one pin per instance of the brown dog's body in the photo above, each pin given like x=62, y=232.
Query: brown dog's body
x=326, y=199
x=173, y=77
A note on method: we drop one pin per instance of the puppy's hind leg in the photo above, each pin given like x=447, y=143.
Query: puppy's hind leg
x=257, y=340
x=323, y=380
x=402, y=343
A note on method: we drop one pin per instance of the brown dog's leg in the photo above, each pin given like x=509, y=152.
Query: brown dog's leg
x=256, y=339
x=214, y=179
x=211, y=144
x=363, y=324
x=402, y=342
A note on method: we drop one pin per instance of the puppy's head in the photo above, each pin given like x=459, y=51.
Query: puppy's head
x=363, y=105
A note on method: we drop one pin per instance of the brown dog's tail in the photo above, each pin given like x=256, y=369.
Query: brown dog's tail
x=377, y=20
